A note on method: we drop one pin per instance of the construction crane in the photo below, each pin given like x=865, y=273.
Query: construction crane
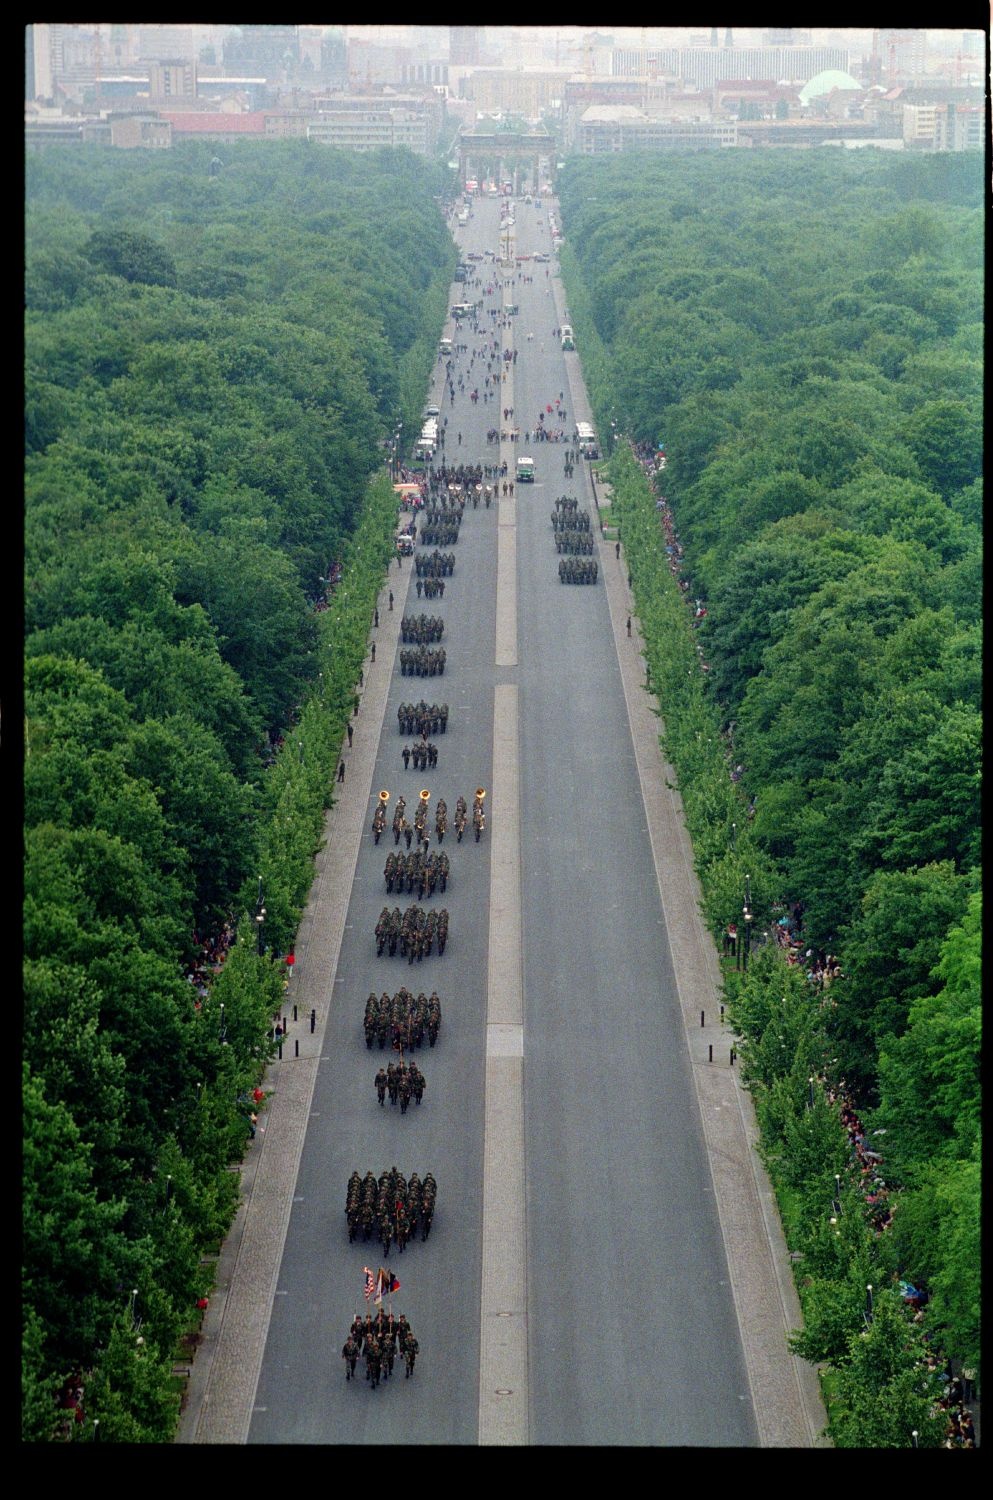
x=589, y=57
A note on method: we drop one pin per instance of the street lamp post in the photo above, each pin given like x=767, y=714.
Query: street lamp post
x=259, y=917
x=746, y=912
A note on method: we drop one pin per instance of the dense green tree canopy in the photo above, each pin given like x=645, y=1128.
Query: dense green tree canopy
x=211, y=364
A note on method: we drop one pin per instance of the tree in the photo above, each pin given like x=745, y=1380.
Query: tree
x=929, y=1076
x=73, y=1246
x=885, y=1392
x=134, y=256
x=891, y=950
x=946, y=439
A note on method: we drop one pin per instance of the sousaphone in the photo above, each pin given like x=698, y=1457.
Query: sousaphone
x=384, y=797
x=425, y=796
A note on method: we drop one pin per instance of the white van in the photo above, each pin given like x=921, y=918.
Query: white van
x=445, y=347
x=525, y=471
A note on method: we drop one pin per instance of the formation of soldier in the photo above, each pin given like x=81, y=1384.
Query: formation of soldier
x=403, y=1020
x=403, y=1082
x=391, y=1207
x=379, y=1339
x=416, y=872
x=567, y=516
x=431, y=588
x=424, y=754
x=574, y=543
x=461, y=476
x=574, y=537
x=439, y=530
x=414, y=932
x=422, y=661
x=422, y=718
x=438, y=565
x=578, y=570
x=421, y=630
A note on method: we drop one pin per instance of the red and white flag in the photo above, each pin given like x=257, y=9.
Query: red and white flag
x=370, y=1284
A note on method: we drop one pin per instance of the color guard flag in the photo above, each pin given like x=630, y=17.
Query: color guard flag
x=380, y=1281
x=370, y=1282
x=392, y=1284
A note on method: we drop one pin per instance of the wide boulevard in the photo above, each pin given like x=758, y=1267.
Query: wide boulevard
x=575, y=1286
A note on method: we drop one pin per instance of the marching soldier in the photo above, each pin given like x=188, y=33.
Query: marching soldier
x=381, y=1085
x=373, y=1361
x=406, y=756
x=410, y=1352
x=350, y=1354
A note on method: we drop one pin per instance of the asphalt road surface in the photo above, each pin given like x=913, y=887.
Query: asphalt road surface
x=631, y=1332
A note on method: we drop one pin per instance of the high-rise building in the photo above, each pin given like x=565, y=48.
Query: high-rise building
x=901, y=52
x=463, y=46
x=334, y=58
x=170, y=78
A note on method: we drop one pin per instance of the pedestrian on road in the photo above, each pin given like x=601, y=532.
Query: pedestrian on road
x=373, y=651
x=375, y=618
x=361, y=678
x=341, y=771
x=351, y=731
x=629, y=625
x=391, y=600
x=355, y=704
x=617, y=551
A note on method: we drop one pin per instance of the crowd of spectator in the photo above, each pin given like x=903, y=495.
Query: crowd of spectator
x=210, y=951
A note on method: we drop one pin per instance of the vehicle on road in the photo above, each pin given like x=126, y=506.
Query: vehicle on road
x=568, y=342
x=586, y=440
x=525, y=471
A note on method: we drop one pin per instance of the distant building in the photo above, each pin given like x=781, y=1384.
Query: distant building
x=944, y=127
x=169, y=78
x=334, y=59
x=621, y=127
x=832, y=92
x=133, y=131
x=215, y=123
x=902, y=52
x=463, y=46
x=371, y=130
x=706, y=65
x=269, y=50
x=155, y=42
x=527, y=92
